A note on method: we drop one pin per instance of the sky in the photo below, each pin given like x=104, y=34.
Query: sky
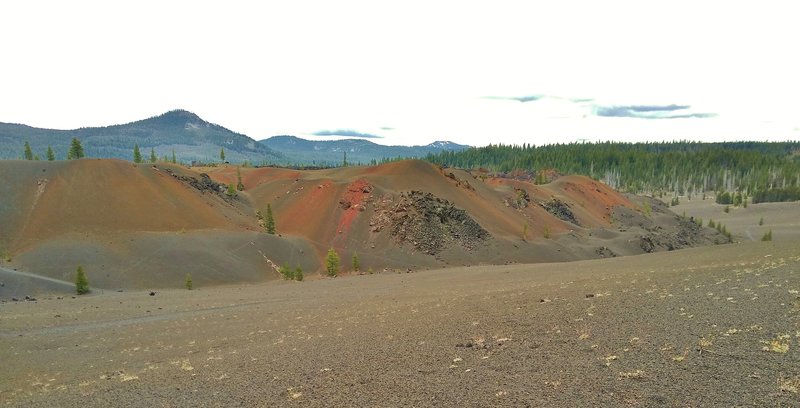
x=411, y=72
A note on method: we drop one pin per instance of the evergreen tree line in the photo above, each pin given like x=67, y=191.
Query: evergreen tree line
x=791, y=193
x=680, y=167
x=75, y=151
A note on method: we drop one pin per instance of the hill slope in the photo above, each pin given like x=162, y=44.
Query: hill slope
x=141, y=226
x=131, y=225
x=191, y=137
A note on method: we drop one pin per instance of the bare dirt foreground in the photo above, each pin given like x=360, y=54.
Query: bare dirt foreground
x=715, y=326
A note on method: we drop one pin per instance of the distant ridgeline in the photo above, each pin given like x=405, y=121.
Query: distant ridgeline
x=179, y=131
x=675, y=167
x=335, y=153
x=187, y=138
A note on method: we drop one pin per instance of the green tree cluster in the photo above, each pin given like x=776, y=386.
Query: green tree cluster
x=680, y=167
x=291, y=274
x=777, y=195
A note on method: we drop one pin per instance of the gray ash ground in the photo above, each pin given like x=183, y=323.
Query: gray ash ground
x=703, y=327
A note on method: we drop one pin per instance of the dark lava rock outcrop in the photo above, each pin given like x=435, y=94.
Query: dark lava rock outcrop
x=670, y=232
x=560, y=210
x=432, y=224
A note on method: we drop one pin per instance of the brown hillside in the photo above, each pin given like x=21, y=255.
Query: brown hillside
x=133, y=226
x=360, y=209
x=149, y=225
x=96, y=196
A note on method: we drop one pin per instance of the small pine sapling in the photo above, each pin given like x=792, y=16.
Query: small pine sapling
x=332, y=263
x=81, y=282
x=356, y=263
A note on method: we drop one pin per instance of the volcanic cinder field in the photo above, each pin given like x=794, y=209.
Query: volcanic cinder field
x=649, y=312
x=698, y=327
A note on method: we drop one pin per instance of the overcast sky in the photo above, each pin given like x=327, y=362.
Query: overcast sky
x=411, y=72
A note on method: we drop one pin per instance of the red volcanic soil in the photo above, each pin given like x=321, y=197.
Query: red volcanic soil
x=596, y=198
x=352, y=202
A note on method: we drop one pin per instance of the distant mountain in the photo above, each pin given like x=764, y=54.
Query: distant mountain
x=191, y=137
x=331, y=152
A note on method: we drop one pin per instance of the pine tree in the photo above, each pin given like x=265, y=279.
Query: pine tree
x=356, y=263
x=332, y=263
x=188, y=282
x=81, y=282
x=75, y=150
x=761, y=221
x=137, y=155
x=239, y=184
x=647, y=208
x=174, y=160
x=28, y=152
x=270, y=222
x=286, y=272
x=222, y=154
x=767, y=236
x=50, y=155
x=153, y=157
x=231, y=192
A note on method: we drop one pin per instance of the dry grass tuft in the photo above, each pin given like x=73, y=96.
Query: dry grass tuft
x=584, y=332
x=705, y=345
x=789, y=384
x=609, y=359
x=779, y=344
x=683, y=356
x=636, y=374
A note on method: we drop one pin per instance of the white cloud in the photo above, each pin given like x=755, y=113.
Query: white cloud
x=423, y=68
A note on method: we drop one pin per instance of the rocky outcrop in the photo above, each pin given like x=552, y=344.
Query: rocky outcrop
x=560, y=210
x=429, y=224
